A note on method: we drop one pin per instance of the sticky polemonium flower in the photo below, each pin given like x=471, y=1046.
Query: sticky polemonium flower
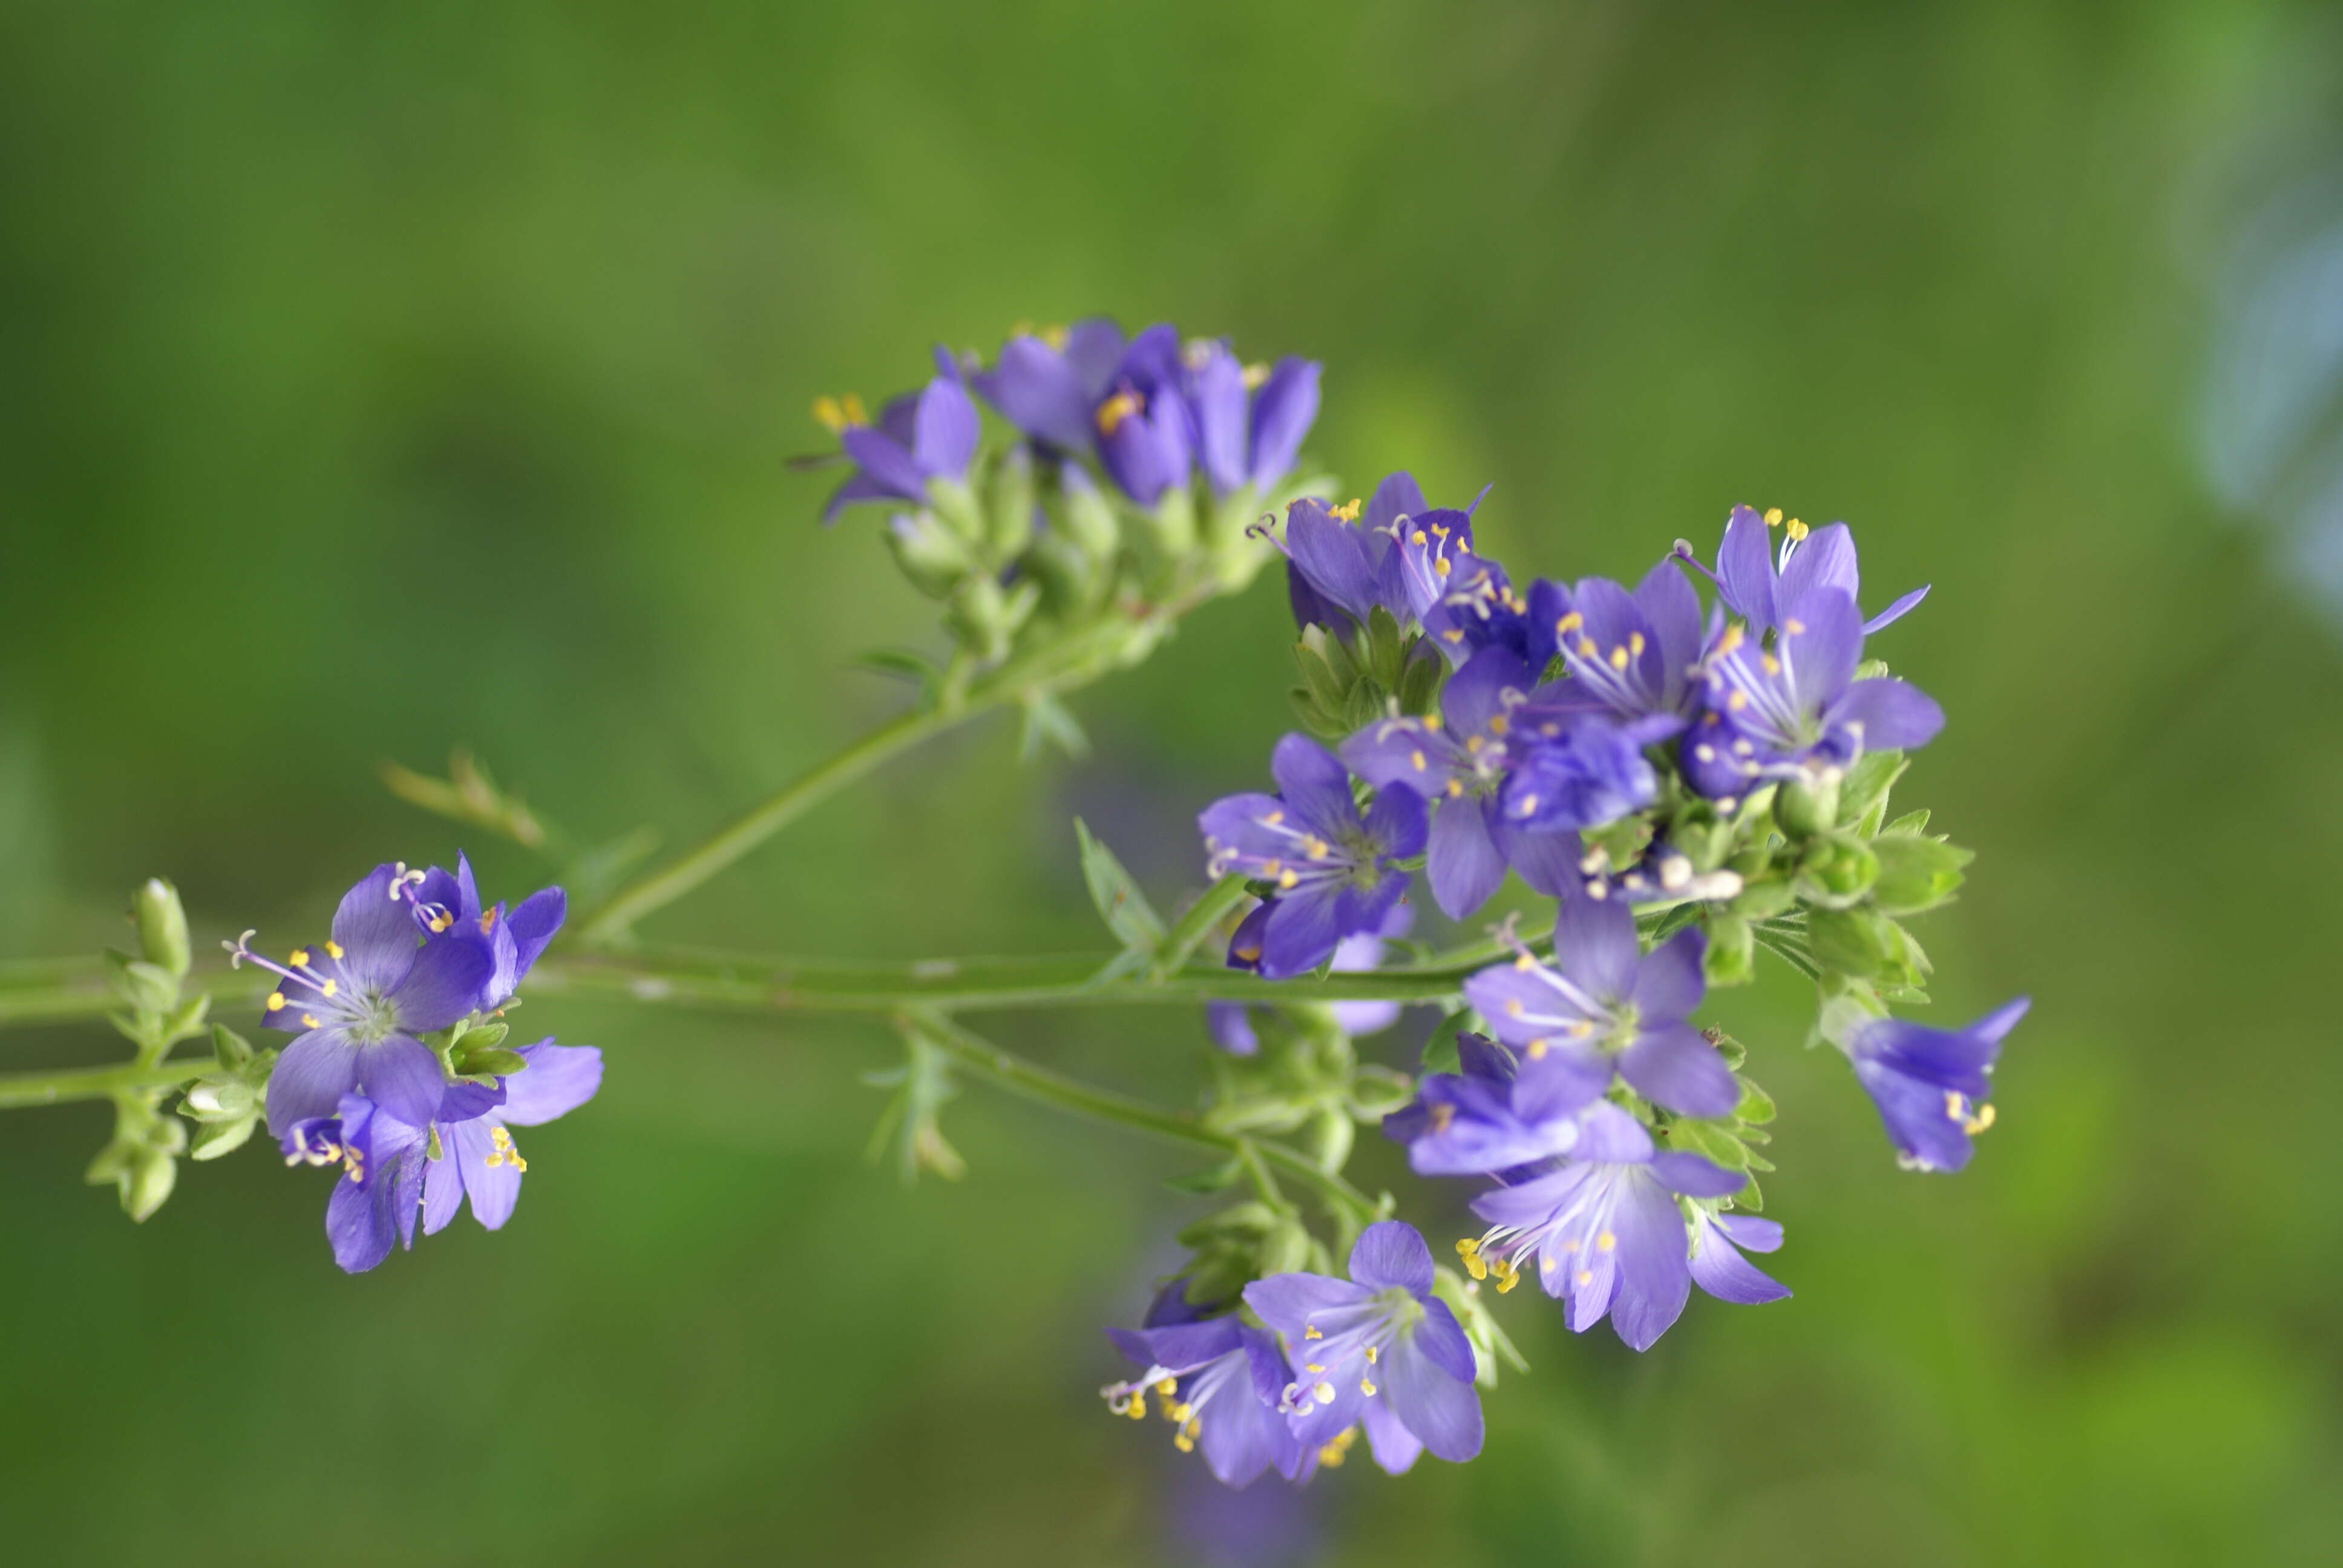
x=1763, y=586
x=921, y=436
x=1049, y=386
x=1605, y=1230
x=1717, y=1265
x=359, y=1001
x=1632, y=655
x=1461, y=761
x=1931, y=1084
x=1218, y=1382
x=380, y=1160
x=1479, y=608
x=1485, y=1120
x=1338, y=560
x=1231, y=1022
x=1580, y=771
x=1602, y=1002
x=1792, y=706
x=1251, y=421
x=1377, y=1345
x=479, y=1158
x=1332, y=868
x=515, y=939
x=1091, y=393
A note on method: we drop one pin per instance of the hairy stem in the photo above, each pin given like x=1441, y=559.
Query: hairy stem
x=982, y=1059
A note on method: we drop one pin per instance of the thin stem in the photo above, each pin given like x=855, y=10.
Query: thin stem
x=1074, y=657
x=982, y=1058
x=20, y=1089
x=1202, y=915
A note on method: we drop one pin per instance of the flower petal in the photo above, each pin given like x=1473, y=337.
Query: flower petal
x=1889, y=715
x=1673, y=1065
x=1395, y=1449
x=945, y=435
x=311, y=1077
x=1282, y=412
x=1721, y=1270
x=1596, y=947
x=376, y=930
x=1391, y=1252
x=446, y=978
x=1464, y=867
x=1442, y=1410
x=401, y=1075
x=1668, y=982
x=489, y=1175
x=1313, y=784
x=1655, y=1279
x=558, y=1080
x=1287, y=1302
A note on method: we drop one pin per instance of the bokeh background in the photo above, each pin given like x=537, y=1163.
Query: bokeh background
x=377, y=380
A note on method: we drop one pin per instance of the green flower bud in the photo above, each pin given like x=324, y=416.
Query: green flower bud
x=147, y=1184
x=230, y=1048
x=931, y=555
x=1836, y=873
x=1090, y=522
x=145, y=987
x=162, y=926
x=1858, y=942
x=1731, y=956
x=1010, y=504
x=219, y=1100
x=1808, y=804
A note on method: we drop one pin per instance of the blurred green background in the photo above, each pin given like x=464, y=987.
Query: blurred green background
x=375, y=380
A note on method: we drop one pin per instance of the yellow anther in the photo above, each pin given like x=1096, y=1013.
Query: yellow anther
x=277, y=1001
x=1585, y=1276
x=1737, y=701
x=1535, y=1050
x=1580, y=1028
x=1250, y=955
x=1792, y=627
x=1418, y=537
x=1332, y=1454
x=838, y=415
x=1514, y=1008
x=333, y=950
x=1323, y=1392
x=1371, y=1355
x=1467, y=1246
x=1529, y=804
x=1476, y=1266
x=1472, y=744
x=1313, y=1369
x=1309, y=1332
x=1619, y=657
x=1732, y=639
x=1508, y=1276
x=1569, y=624
x=1795, y=529
x=1137, y=1411
x=440, y=923
x=1979, y=1122
x=1635, y=643
x=1525, y=962
x=1272, y=819
x=1287, y=878
x=1452, y=635
x=1183, y=1443
x=1430, y=722
x=299, y=958
x=308, y=1021
x=1606, y=1243
x=1586, y=648
x=488, y=921
x=1366, y=1388
x=1499, y=724
x=1455, y=787
x=1167, y=1387
x=1348, y=511
x=1314, y=848
x=1416, y=758
x=1116, y=410
x=1773, y=666
x=1773, y=517
x=1441, y=1115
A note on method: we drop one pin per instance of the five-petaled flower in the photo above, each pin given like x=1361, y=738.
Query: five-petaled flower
x=1763, y=586
x=921, y=436
x=477, y=1157
x=1331, y=870
x=1602, y=1002
x=1378, y=1349
x=1218, y=1382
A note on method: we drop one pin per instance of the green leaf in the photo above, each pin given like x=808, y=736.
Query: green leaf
x=899, y=662
x=1440, y=1051
x=1916, y=872
x=229, y=1048
x=1858, y=942
x=1118, y=902
x=1050, y=721
x=1864, y=788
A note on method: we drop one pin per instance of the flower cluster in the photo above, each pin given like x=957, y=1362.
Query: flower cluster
x=398, y=1075
x=1688, y=783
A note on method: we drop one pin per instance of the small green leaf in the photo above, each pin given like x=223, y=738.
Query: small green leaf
x=1119, y=902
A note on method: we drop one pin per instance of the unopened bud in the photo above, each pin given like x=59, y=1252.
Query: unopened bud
x=162, y=926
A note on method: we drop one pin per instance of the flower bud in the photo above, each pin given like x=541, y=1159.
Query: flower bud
x=1808, y=804
x=162, y=926
x=1836, y=873
x=1731, y=956
x=148, y=1183
x=931, y=555
x=214, y=1139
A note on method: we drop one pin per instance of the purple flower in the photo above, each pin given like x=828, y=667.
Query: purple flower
x=1218, y=1383
x=514, y=939
x=1124, y=402
x=1231, y=1022
x=1486, y=1119
x=1332, y=868
x=359, y=1001
x=381, y=1159
x=1781, y=710
x=477, y=1155
x=1604, y=1002
x=1632, y=656
x=1604, y=1229
x=1398, y=555
x=920, y=437
x=1479, y=608
x=1931, y=1084
x=1581, y=771
x=1250, y=422
x=1378, y=1347
x=1717, y=1265
x=1766, y=588
x=1049, y=386
x=1460, y=760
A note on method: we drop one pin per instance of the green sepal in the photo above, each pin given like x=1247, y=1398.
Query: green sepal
x=1731, y=956
x=215, y=1139
x=1117, y=896
x=1807, y=806
x=1376, y=1092
x=1916, y=873
x=1440, y=1051
x=1858, y=942
x=1010, y=502
x=1490, y=1345
x=1863, y=793
x=1419, y=683
x=230, y=1050
x=142, y=986
x=1211, y=1179
x=1836, y=871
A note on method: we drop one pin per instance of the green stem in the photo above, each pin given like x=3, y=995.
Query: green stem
x=982, y=1058
x=20, y=1089
x=1080, y=654
x=1195, y=925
